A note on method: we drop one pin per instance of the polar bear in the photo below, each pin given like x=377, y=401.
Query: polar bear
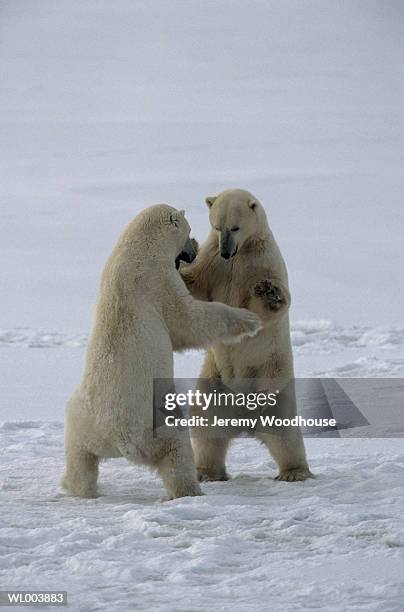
x=143, y=312
x=240, y=264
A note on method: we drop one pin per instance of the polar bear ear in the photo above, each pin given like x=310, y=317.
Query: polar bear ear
x=182, y=212
x=210, y=200
x=253, y=204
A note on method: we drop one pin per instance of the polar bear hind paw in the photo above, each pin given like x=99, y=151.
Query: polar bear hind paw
x=294, y=475
x=205, y=475
x=79, y=489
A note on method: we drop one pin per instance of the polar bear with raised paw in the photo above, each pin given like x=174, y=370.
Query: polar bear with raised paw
x=241, y=265
x=144, y=311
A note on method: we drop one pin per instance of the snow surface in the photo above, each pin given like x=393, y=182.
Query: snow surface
x=107, y=107
x=333, y=543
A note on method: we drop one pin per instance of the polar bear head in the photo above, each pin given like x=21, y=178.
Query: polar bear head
x=236, y=216
x=167, y=225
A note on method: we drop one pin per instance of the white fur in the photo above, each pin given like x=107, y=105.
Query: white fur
x=240, y=227
x=143, y=312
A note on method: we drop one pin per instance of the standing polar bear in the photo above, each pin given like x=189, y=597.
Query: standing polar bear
x=240, y=264
x=143, y=313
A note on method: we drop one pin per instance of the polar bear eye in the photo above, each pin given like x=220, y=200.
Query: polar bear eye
x=235, y=229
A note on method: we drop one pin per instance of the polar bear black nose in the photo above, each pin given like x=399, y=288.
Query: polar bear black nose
x=188, y=254
x=227, y=247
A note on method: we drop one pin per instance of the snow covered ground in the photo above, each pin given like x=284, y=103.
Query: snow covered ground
x=334, y=543
x=106, y=107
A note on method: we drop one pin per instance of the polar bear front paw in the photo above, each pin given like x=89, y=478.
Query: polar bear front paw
x=195, y=245
x=272, y=295
x=247, y=323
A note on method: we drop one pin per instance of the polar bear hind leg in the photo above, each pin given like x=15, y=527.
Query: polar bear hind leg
x=210, y=458
x=178, y=472
x=209, y=451
x=80, y=477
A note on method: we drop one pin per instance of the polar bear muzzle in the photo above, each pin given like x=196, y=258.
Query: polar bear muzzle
x=187, y=254
x=228, y=246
